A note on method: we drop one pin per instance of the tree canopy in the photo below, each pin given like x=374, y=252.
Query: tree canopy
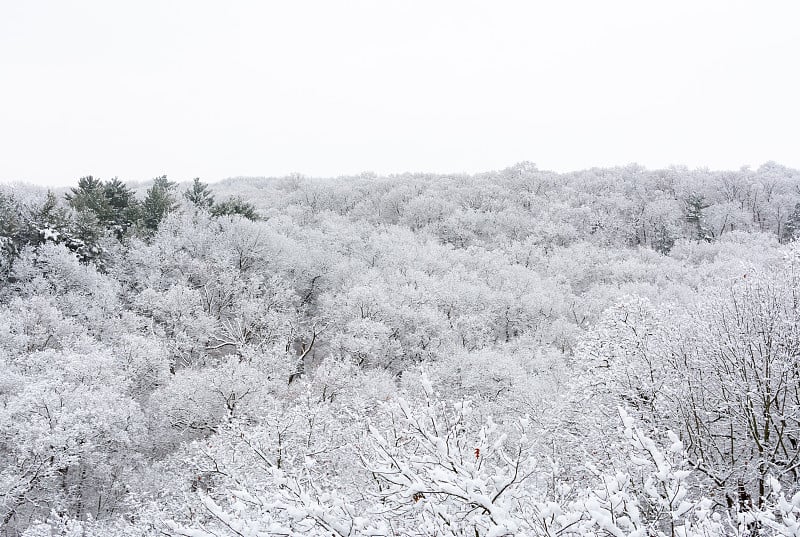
x=605, y=352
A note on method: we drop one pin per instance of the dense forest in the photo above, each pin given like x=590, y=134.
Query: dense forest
x=607, y=352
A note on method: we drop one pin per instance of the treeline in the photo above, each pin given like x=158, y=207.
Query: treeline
x=628, y=206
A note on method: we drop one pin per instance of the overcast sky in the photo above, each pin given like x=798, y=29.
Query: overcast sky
x=220, y=89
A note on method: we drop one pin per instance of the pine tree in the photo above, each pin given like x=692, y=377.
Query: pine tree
x=90, y=196
x=663, y=239
x=123, y=206
x=84, y=238
x=51, y=221
x=29, y=224
x=199, y=194
x=695, y=204
x=159, y=202
x=110, y=206
x=235, y=205
x=11, y=224
x=791, y=230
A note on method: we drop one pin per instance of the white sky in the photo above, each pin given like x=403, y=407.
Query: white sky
x=219, y=89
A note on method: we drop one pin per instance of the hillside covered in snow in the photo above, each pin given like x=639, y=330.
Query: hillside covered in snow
x=605, y=352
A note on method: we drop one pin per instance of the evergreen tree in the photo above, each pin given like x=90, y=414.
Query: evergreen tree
x=199, y=194
x=695, y=204
x=663, y=239
x=159, y=202
x=791, y=230
x=100, y=207
x=235, y=205
x=84, y=238
x=90, y=195
x=29, y=224
x=51, y=221
x=123, y=206
x=10, y=226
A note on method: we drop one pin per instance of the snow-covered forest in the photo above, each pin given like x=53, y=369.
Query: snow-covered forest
x=607, y=352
